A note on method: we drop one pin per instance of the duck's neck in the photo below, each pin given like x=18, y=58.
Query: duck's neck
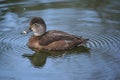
x=38, y=34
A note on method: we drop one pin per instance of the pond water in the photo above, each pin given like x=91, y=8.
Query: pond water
x=98, y=20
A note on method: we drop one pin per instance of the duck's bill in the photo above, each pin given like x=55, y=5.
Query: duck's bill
x=26, y=31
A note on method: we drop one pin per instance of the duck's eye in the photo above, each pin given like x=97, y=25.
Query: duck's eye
x=35, y=24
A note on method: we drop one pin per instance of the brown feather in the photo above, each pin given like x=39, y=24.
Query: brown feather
x=55, y=35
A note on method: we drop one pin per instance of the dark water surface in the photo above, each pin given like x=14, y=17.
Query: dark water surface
x=98, y=20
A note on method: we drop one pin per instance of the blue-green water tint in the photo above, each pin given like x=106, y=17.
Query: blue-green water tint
x=97, y=20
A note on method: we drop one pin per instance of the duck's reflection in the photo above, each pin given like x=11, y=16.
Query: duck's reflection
x=38, y=59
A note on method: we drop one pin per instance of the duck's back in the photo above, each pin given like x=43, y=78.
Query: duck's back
x=59, y=40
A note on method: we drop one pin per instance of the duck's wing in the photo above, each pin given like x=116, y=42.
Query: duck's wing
x=54, y=35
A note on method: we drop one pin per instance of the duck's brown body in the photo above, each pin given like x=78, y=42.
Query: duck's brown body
x=55, y=40
x=51, y=40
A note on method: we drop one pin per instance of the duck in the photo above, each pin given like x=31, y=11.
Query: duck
x=52, y=39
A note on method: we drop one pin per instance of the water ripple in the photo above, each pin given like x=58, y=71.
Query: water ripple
x=105, y=42
x=14, y=41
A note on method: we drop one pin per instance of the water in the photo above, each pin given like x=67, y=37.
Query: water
x=97, y=20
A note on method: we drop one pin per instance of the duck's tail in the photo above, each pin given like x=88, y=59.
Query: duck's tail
x=82, y=40
x=78, y=41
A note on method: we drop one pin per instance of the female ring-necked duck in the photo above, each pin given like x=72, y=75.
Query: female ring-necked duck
x=52, y=39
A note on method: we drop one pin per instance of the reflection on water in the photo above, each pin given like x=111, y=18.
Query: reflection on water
x=97, y=20
x=38, y=59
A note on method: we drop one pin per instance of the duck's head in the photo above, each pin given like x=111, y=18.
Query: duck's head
x=37, y=25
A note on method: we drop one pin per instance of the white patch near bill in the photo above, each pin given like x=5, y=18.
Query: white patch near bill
x=24, y=32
